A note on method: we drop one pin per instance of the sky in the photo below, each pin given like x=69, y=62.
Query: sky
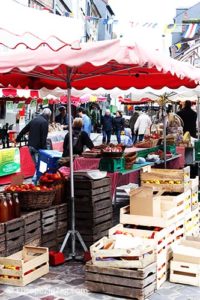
x=161, y=12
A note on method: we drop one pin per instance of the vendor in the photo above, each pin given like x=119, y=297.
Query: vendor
x=63, y=117
x=79, y=138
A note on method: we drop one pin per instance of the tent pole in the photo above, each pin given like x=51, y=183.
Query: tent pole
x=73, y=232
x=164, y=134
x=198, y=116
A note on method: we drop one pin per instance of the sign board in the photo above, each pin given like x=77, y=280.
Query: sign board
x=9, y=106
x=9, y=161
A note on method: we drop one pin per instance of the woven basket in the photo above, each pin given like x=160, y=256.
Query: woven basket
x=36, y=199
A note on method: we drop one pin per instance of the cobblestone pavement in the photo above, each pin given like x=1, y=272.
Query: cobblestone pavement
x=67, y=282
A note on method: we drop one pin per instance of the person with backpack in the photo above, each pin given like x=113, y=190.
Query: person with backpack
x=79, y=138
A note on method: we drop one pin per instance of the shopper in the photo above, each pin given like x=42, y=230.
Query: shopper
x=127, y=141
x=79, y=138
x=118, y=125
x=132, y=121
x=37, y=138
x=142, y=124
x=107, y=126
x=189, y=117
x=95, y=118
x=87, y=125
x=63, y=117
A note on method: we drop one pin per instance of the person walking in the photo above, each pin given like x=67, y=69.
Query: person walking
x=189, y=117
x=87, y=125
x=132, y=121
x=80, y=139
x=107, y=126
x=118, y=125
x=37, y=138
x=142, y=124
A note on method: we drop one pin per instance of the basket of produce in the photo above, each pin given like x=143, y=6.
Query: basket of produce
x=33, y=197
x=130, y=159
x=113, y=151
x=57, y=182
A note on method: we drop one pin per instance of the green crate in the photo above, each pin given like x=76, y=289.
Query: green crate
x=197, y=150
x=111, y=164
x=171, y=148
x=145, y=152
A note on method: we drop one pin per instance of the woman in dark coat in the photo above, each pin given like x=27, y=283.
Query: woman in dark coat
x=79, y=138
x=118, y=125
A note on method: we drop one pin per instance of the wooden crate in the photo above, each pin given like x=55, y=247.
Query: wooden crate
x=168, y=179
x=135, y=284
x=25, y=266
x=48, y=220
x=191, y=222
x=194, y=192
x=49, y=240
x=163, y=241
x=122, y=258
x=62, y=217
x=185, y=273
x=180, y=230
x=14, y=234
x=188, y=250
x=32, y=227
x=169, y=217
x=93, y=208
x=2, y=239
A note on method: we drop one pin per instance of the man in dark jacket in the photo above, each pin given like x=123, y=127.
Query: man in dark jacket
x=38, y=131
x=132, y=122
x=63, y=118
x=107, y=126
x=189, y=117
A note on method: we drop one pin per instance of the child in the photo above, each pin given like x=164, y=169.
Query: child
x=127, y=138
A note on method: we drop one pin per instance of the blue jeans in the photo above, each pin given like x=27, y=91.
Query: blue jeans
x=34, y=155
x=118, y=135
x=141, y=137
x=106, y=135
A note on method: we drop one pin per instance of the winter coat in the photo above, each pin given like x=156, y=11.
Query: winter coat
x=80, y=139
x=189, y=117
x=143, y=123
x=38, y=131
x=87, y=126
x=133, y=119
x=118, y=123
x=107, y=123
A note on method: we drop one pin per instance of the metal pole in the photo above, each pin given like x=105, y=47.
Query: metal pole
x=164, y=135
x=71, y=173
x=198, y=116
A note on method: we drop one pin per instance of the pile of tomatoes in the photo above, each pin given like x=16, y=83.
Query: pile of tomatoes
x=26, y=188
x=50, y=178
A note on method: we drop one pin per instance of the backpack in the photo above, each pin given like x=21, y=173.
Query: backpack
x=76, y=142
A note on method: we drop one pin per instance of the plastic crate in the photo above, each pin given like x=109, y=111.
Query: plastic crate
x=111, y=164
x=47, y=159
x=197, y=150
x=171, y=148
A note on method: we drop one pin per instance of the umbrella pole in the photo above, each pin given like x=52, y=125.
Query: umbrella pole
x=198, y=116
x=73, y=232
x=164, y=135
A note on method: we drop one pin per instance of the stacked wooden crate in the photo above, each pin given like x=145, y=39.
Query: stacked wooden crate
x=185, y=266
x=130, y=283
x=61, y=226
x=49, y=227
x=122, y=266
x=93, y=208
x=175, y=188
x=2, y=239
x=32, y=228
x=14, y=236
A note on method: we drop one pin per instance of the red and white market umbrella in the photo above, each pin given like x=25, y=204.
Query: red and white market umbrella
x=20, y=25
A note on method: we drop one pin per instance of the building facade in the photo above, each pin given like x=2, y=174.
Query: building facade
x=186, y=31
